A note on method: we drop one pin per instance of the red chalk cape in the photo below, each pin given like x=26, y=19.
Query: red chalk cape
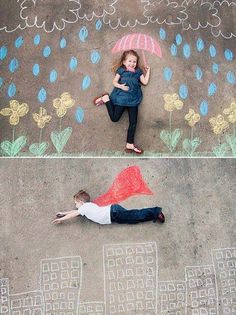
x=128, y=182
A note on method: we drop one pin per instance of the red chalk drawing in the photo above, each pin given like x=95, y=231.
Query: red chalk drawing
x=138, y=41
x=128, y=182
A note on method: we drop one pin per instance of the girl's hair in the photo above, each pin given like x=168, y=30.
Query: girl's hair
x=82, y=195
x=119, y=63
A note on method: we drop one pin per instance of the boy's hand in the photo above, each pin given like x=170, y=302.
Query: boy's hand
x=124, y=87
x=57, y=221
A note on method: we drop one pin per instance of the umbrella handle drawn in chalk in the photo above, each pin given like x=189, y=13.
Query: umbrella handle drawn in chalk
x=139, y=41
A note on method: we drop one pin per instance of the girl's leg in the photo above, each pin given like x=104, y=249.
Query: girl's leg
x=133, y=117
x=121, y=215
x=114, y=111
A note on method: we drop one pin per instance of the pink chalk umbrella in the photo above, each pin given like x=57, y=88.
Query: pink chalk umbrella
x=138, y=41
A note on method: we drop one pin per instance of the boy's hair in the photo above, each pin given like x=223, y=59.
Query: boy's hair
x=82, y=195
x=119, y=63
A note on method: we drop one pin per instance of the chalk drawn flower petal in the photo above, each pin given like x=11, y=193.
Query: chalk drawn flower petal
x=14, y=105
x=36, y=117
x=23, y=109
x=14, y=119
x=61, y=112
x=6, y=111
x=56, y=102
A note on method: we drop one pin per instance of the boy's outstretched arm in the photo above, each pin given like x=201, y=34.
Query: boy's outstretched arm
x=68, y=215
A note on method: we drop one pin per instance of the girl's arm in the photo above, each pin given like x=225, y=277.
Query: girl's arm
x=68, y=215
x=145, y=79
x=118, y=85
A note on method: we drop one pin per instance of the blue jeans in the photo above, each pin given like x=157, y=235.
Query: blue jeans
x=122, y=215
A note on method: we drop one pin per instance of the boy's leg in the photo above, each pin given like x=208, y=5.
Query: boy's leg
x=121, y=215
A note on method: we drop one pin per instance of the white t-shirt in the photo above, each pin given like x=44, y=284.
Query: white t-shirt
x=93, y=212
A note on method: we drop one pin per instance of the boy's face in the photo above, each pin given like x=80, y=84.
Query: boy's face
x=130, y=61
x=78, y=203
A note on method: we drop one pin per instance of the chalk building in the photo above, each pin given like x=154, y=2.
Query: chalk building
x=60, y=282
x=27, y=303
x=224, y=261
x=130, y=272
x=201, y=290
x=172, y=296
x=4, y=297
x=92, y=308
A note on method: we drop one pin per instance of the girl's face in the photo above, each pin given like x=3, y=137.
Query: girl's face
x=130, y=61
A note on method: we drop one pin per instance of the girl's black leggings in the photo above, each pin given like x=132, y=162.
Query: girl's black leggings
x=116, y=111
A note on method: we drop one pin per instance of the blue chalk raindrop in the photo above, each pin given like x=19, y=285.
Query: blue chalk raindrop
x=98, y=25
x=215, y=68
x=186, y=50
x=37, y=39
x=13, y=65
x=229, y=55
x=86, y=82
x=212, y=89
x=42, y=95
x=173, y=50
x=1, y=82
x=36, y=69
x=11, y=90
x=162, y=34
x=46, y=51
x=183, y=91
x=212, y=51
x=79, y=115
x=200, y=45
x=204, y=108
x=53, y=76
x=198, y=73
x=19, y=42
x=3, y=52
x=63, y=43
x=231, y=77
x=178, y=39
x=95, y=57
x=167, y=74
x=73, y=63
x=83, y=34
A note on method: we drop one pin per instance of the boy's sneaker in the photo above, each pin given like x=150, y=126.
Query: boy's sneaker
x=161, y=217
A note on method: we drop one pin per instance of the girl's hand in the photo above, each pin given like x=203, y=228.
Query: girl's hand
x=147, y=68
x=124, y=87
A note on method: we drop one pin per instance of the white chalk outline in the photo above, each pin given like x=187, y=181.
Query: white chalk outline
x=165, y=22
x=186, y=2
x=128, y=22
x=54, y=26
x=38, y=292
x=95, y=15
x=219, y=31
x=131, y=244
x=4, y=28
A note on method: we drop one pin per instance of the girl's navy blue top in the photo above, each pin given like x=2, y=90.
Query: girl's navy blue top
x=134, y=95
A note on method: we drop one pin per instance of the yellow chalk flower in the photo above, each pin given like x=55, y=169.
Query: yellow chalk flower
x=231, y=112
x=172, y=102
x=15, y=111
x=219, y=124
x=192, y=117
x=42, y=118
x=63, y=103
